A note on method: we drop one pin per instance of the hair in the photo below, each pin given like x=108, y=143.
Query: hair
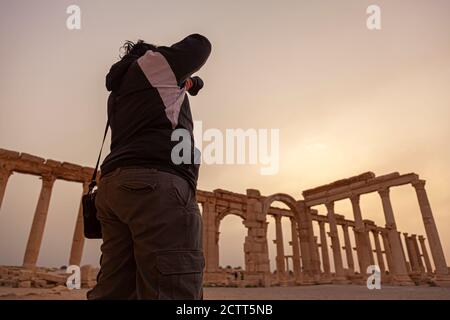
x=136, y=49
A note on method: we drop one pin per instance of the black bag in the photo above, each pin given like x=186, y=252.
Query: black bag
x=92, y=227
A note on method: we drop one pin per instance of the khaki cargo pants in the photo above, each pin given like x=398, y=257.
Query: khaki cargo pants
x=152, y=237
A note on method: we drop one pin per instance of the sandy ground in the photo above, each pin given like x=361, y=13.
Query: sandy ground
x=322, y=292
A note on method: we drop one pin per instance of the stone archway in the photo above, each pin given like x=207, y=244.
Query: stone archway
x=301, y=230
x=219, y=218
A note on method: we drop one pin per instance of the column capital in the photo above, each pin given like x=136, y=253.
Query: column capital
x=47, y=179
x=422, y=238
x=277, y=217
x=6, y=171
x=330, y=206
x=384, y=192
x=354, y=198
x=419, y=184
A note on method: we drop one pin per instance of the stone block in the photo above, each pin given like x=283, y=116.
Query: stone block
x=260, y=232
x=31, y=158
x=260, y=217
x=53, y=277
x=24, y=284
x=3, y=271
x=39, y=283
x=253, y=193
x=8, y=154
x=25, y=275
x=8, y=283
x=88, y=273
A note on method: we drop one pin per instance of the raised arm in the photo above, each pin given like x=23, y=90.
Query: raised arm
x=187, y=56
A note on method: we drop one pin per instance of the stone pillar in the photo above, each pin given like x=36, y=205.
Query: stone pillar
x=310, y=269
x=442, y=273
x=337, y=256
x=414, y=258
x=295, y=250
x=316, y=247
x=379, y=252
x=324, y=249
x=257, y=268
x=348, y=249
x=387, y=250
x=362, y=248
x=425, y=255
x=286, y=263
x=399, y=272
x=281, y=268
x=76, y=251
x=38, y=225
x=369, y=246
x=210, y=236
x=412, y=261
x=417, y=252
x=5, y=173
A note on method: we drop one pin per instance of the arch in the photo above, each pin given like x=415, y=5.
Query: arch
x=233, y=239
x=282, y=197
x=222, y=214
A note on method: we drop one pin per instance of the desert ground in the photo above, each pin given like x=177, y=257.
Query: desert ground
x=322, y=292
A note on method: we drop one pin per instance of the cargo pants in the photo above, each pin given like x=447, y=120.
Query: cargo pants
x=152, y=237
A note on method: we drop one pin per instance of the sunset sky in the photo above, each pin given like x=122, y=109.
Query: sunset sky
x=345, y=99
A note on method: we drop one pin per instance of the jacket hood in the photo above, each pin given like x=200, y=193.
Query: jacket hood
x=118, y=71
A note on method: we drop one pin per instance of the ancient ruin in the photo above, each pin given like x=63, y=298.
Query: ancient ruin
x=402, y=262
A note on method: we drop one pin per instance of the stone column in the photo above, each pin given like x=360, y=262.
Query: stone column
x=408, y=266
x=369, y=246
x=295, y=250
x=314, y=249
x=442, y=273
x=210, y=243
x=281, y=268
x=76, y=251
x=362, y=248
x=348, y=248
x=38, y=225
x=412, y=262
x=425, y=255
x=5, y=173
x=257, y=264
x=324, y=249
x=387, y=250
x=337, y=256
x=306, y=238
x=414, y=258
x=417, y=252
x=316, y=260
x=399, y=272
x=379, y=252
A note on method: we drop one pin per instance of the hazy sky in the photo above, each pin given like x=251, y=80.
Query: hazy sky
x=346, y=100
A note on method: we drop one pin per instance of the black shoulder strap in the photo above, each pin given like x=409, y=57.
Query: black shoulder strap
x=94, y=175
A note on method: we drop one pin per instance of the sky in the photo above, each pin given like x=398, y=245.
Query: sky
x=345, y=99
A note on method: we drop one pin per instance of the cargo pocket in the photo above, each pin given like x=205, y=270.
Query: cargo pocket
x=180, y=275
x=138, y=186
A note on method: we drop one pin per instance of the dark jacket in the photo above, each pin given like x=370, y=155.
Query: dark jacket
x=148, y=101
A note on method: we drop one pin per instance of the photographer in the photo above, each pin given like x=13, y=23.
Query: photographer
x=146, y=204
